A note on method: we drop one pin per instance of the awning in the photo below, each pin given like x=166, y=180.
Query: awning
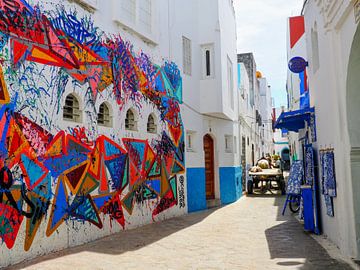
x=294, y=120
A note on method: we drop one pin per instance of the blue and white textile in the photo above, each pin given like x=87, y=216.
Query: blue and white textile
x=309, y=165
x=328, y=173
x=295, y=178
x=329, y=205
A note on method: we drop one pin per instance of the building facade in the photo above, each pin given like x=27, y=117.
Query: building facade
x=332, y=49
x=281, y=140
x=265, y=110
x=255, y=112
x=210, y=108
x=92, y=138
x=113, y=115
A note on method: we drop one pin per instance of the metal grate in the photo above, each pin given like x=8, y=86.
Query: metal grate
x=71, y=109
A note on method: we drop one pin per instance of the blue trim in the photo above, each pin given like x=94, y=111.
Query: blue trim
x=294, y=120
x=239, y=75
x=196, y=190
x=230, y=184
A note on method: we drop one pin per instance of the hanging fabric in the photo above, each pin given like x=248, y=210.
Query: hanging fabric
x=309, y=165
x=328, y=179
x=329, y=205
x=295, y=178
x=328, y=173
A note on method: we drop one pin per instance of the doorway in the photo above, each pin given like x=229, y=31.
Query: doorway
x=285, y=159
x=353, y=121
x=209, y=167
x=252, y=154
x=243, y=162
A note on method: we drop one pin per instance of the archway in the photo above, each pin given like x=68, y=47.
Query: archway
x=285, y=157
x=353, y=122
x=353, y=92
x=209, y=167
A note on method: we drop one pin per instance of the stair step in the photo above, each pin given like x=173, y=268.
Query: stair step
x=213, y=203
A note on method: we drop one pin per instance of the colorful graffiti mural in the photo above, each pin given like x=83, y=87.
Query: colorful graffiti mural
x=56, y=177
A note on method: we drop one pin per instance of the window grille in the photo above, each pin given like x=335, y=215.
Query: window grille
x=104, y=118
x=71, y=109
x=151, y=125
x=130, y=123
x=186, y=55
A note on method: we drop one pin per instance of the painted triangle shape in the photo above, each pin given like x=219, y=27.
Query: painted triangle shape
x=173, y=185
x=128, y=202
x=56, y=146
x=16, y=141
x=10, y=221
x=112, y=149
x=34, y=172
x=134, y=174
x=164, y=183
x=155, y=185
x=61, y=49
x=4, y=94
x=116, y=169
x=125, y=179
x=155, y=170
x=76, y=147
x=166, y=202
x=136, y=152
x=59, y=211
x=177, y=168
x=104, y=187
x=19, y=51
x=76, y=175
x=148, y=193
x=88, y=185
x=101, y=200
x=83, y=208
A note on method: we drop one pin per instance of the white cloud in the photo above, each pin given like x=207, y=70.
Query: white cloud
x=262, y=30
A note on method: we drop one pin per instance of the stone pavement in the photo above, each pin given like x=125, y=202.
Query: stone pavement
x=249, y=234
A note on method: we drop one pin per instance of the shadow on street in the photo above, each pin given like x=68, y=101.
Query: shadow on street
x=290, y=242
x=128, y=240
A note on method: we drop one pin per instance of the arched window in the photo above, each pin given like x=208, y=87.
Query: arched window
x=130, y=121
x=71, y=110
x=151, y=125
x=104, y=118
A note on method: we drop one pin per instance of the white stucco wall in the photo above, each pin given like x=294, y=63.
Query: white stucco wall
x=336, y=30
x=72, y=233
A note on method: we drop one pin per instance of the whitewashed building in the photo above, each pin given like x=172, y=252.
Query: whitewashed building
x=265, y=109
x=133, y=117
x=210, y=107
x=332, y=49
x=255, y=111
x=281, y=140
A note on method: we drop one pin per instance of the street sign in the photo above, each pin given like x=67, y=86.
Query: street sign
x=297, y=64
x=357, y=11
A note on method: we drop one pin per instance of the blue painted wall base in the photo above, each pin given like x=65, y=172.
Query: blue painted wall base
x=196, y=190
x=230, y=184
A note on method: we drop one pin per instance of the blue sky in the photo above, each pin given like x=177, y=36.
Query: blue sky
x=262, y=27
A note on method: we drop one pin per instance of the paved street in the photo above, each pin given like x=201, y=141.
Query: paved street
x=249, y=234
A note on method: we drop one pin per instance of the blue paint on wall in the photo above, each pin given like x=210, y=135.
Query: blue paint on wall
x=196, y=195
x=230, y=184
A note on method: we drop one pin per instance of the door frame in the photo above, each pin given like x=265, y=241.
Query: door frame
x=214, y=195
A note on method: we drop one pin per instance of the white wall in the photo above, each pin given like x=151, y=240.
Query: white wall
x=336, y=27
x=74, y=232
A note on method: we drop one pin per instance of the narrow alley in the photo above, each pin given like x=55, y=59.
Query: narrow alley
x=249, y=234
x=168, y=134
